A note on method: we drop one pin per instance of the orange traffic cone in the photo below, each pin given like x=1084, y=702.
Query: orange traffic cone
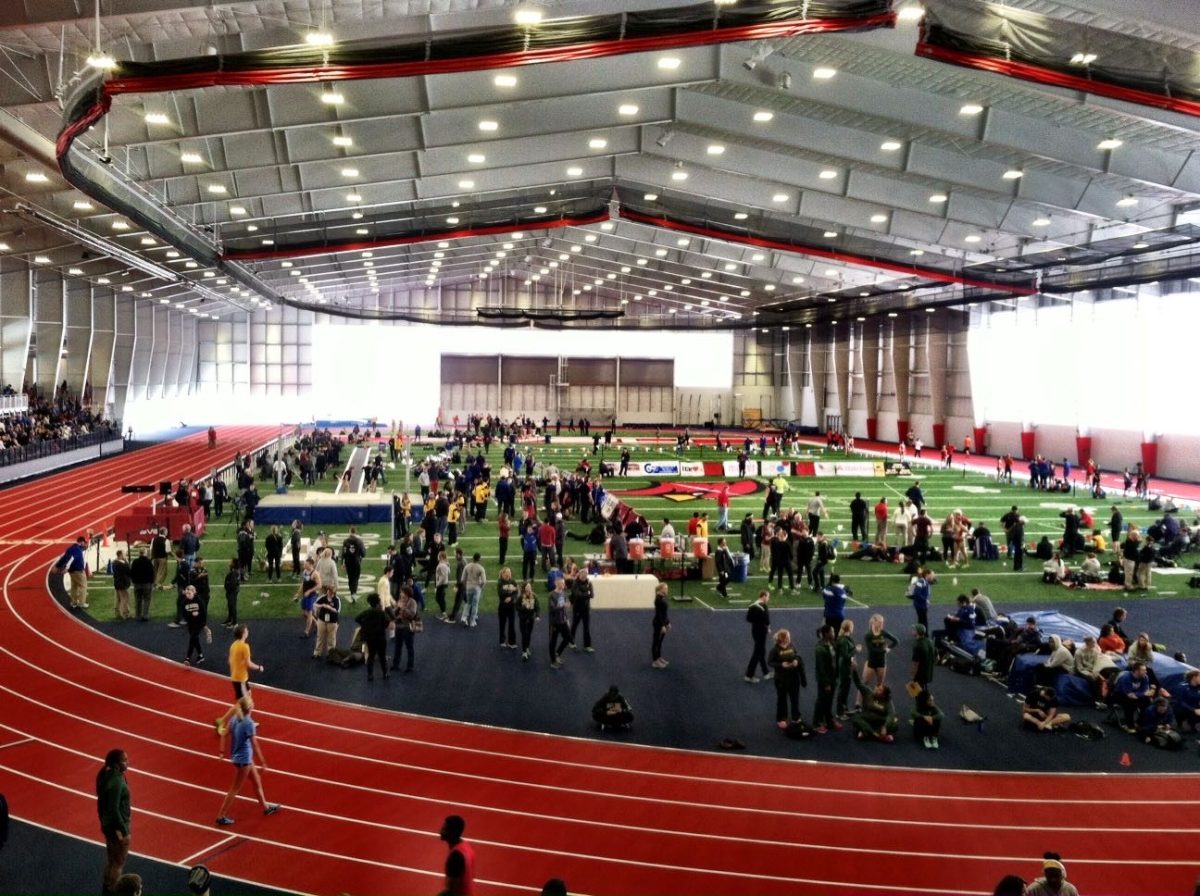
x=1126, y=762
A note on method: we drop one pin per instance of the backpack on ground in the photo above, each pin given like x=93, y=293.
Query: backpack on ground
x=1087, y=730
x=799, y=730
x=1167, y=739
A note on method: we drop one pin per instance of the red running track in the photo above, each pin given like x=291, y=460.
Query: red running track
x=364, y=790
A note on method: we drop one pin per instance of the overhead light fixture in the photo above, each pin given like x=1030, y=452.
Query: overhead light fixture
x=505, y=80
x=476, y=158
x=1127, y=201
x=218, y=189
x=678, y=175
x=715, y=149
x=879, y=219
x=101, y=60
x=191, y=158
x=778, y=197
x=1041, y=222
x=938, y=197
x=539, y=209
x=82, y=205
x=665, y=137
x=1111, y=143
x=914, y=12
x=354, y=197
x=762, y=116
x=157, y=118
x=627, y=109
x=41, y=259
x=527, y=15
x=488, y=125
x=1013, y=174
x=75, y=272
x=828, y=174
x=970, y=109
x=466, y=184
x=318, y=39
x=332, y=98
x=831, y=234
x=890, y=145
x=742, y=216
x=669, y=63
x=597, y=143
x=650, y=197
x=972, y=238
x=762, y=50
x=574, y=171
x=35, y=177
x=349, y=172
x=1083, y=59
x=823, y=73
x=119, y=225
x=343, y=140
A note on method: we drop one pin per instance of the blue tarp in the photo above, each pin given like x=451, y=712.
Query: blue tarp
x=322, y=514
x=1073, y=690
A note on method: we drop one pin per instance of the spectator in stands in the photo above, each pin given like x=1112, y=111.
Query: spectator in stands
x=1156, y=724
x=1132, y=692
x=1142, y=651
x=1187, y=701
x=1090, y=663
x=1058, y=662
x=1040, y=711
x=985, y=610
x=1053, y=881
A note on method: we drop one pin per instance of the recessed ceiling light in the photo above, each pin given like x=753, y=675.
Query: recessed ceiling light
x=938, y=197
x=916, y=252
x=362, y=231
x=36, y=177
x=682, y=241
x=778, y=197
x=476, y=158
x=103, y=61
x=1041, y=222
x=452, y=220
x=671, y=311
x=157, y=118
x=679, y=175
x=237, y=210
x=758, y=256
x=505, y=80
x=972, y=238
x=770, y=287
x=577, y=249
x=1141, y=245
x=527, y=15
x=590, y=238
x=466, y=184
x=267, y=241
x=597, y=143
x=742, y=216
x=669, y=63
x=354, y=197
x=1111, y=143
x=660, y=253
x=190, y=158
x=824, y=73
x=74, y=272
x=148, y=241
x=706, y=275
x=343, y=140
x=443, y=245
x=488, y=125
x=103, y=281
x=970, y=109
x=627, y=109
x=878, y=219
x=831, y=234
x=318, y=39
x=357, y=216
x=119, y=225
x=539, y=210
x=1083, y=58
x=650, y=197
x=332, y=98
x=574, y=171
x=652, y=293
x=218, y=189
x=41, y=259
x=349, y=172
x=610, y=276
x=208, y=275
x=1127, y=201
x=171, y=253
x=797, y=279
x=643, y=261
x=715, y=149
x=911, y=13
x=81, y=205
x=890, y=145
x=731, y=266
x=1013, y=174
x=252, y=227
x=828, y=174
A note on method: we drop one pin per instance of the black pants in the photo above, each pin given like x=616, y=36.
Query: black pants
x=823, y=712
x=274, y=566
x=858, y=528
x=503, y=548
x=835, y=623
x=759, y=656
x=787, y=695
x=376, y=648
x=560, y=637
x=923, y=729
x=404, y=640
x=231, y=601
x=526, y=632
x=657, y=643
x=353, y=574
x=439, y=594
x=528, y=565
x=460, y=597
x=843, y=690
x=194, y=642
x=723, y=584
x=295, y=562
x=818, y=576
x=777, y=569
x=583, y=617
x=245, y=561
x=923, y=616
x=508, y=629
x=814, y=524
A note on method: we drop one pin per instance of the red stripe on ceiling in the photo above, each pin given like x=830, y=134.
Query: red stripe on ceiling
x=331, y=248
x=846, y=257
x=1041, y=75
x=573, y=53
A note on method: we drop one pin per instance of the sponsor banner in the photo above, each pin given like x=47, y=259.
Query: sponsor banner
x=859, y=468
x=654, y=468
x=775, y=468
x=144, y=525
x=610, y=504
x=805, y=468
x=825, y=468
x=691, y=468
x=730, y=468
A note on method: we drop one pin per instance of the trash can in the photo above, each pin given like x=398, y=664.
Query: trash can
x=741, y=567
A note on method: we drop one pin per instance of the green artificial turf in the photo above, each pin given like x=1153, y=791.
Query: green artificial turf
x=979, y=496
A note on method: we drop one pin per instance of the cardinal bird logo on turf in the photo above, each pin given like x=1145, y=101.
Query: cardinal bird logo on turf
x=691, y=491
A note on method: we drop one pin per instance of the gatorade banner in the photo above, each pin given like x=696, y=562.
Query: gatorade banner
x=849, y=468
x=730, y=468
x=775, y=468
x=654, y=468
x=688, y=468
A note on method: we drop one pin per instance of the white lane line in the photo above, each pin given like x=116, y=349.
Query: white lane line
x=188, y=861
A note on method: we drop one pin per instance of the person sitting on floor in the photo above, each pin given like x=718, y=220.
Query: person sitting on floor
x=1109, y=641
x=612, y=710
x=927, y=719
x=1156, y=725
x=1132, y=692
x=877, y=720
x=1187, y=701
x=1090, y=663
x=1059, y=661
x=1054, y=570
x=1089, y=572
x=1040, y=711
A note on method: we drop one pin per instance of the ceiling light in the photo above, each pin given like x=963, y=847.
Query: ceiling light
x=357, y=216
x=731, y=266
x=715, y=149
x=574, y=171
x=627, y=109
x=466, y=185
x=650, y=197
x=597, y=143
x=527, y=15
x=252, y=227
x=590, y=238
x=171, y=253
x=505, y=80
x=267, y=241
x=890, y=145
x=878, y=219
x=349, y=172
x=119, y=225
x=332, y=98
x=1111, y=143
x=824, y=73
x=679, y=175
x=157, y=118
x=1041, y=222
x=938, y=197
x=1141, y=245
x=1127, y=201
x=770, y=287
x=916, y=252
x=218, y=189
x=762, y=116
x=577, y=249
x=82, y=205
x=660, y=253
x=972, y=238
x=831, y=234
x=682, y=241
x=669, y=63
x=488, y=125
x=443, y=245
x=610, y=276
x=148, y=241
x=476, y=158
x=191, y=158
x=912, y=13
x=361, y=231
x=742, y=216
x=539, y=210
x=1083, y=58
x=41, y=259
x=237, y=210
x=797, y=279
x=354, y=197
x=778, y=197
x=452, y=220
x=671, y=311
x=643, y=261
x=35, y=177
x=706, y=275
x=103, y=61
x=1013, y=174
x=970, y=109
x=74, y=272
x=343, y=140
x=318, y=39
x=828, y=174
x=103, y=281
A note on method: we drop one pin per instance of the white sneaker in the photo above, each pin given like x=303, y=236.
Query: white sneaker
x=928, y=743
x=768, y=676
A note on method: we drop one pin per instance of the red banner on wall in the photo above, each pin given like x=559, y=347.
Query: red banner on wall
x=144, y=525
x=1083, y=449
x=1028, y=438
